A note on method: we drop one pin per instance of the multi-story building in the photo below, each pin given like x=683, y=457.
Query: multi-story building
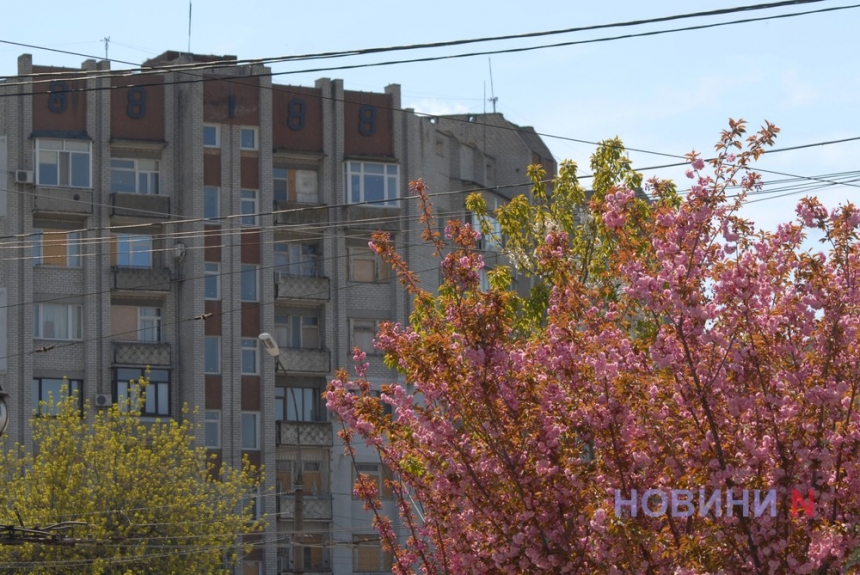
x=168, y=217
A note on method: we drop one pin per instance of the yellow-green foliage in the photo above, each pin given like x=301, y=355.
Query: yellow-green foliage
x=151, y=501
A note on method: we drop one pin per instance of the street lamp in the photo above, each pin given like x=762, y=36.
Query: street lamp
x=272, y=349
x=4, y=411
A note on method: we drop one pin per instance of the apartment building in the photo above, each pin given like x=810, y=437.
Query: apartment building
x=168, y=217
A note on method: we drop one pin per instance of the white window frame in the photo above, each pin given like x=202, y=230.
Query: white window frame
x=134, y=241
x=212, y=428
x=211, y=273
x=217, y=194
x=217, y=129
x=249, y=202
x=216, y=340
x=59, y=148
x=245, y=272
x=250, y=346
x=391, y=183
x=364, y=325
x=289, y=328
x=291, y=257
x=74, y=315
x=256, y=135
x=151, y=176
x=72, y=243
x=148, y=321
x=380, y=268
x=255, y=444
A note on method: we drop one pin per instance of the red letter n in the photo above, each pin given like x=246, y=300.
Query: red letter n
x=797, y=499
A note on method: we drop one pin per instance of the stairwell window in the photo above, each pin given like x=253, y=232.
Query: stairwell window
x=212, y=280
x=250, y=430
x=376, y=184
x=57, y=321
x=66, y=163
x=211, y=136
x=248, y=207
x=212, y=429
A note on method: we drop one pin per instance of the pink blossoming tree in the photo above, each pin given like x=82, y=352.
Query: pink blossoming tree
x=672, y=346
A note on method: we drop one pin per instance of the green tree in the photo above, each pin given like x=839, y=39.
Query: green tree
x=139, y=496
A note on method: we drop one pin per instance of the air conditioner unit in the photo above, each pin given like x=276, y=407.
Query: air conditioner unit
x=104, y=400
x=23, y=176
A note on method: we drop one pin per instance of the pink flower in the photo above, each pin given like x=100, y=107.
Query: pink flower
x=698, y=164
x=690, y=174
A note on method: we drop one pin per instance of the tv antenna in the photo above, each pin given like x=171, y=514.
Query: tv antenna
x=106, y=40
x=492, y=97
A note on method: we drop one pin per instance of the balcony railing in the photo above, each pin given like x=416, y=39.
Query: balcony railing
x=141, y=353
x=140, y=205
x=315, y=507
x=141, y=279
x=312, y=433
x=289, y=287
x=306, y=360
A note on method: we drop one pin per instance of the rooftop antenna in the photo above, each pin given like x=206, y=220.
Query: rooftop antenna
x=106, y=40
x=492, y=97
x=485, y=96
x=189, y=26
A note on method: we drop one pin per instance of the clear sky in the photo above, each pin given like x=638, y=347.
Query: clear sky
x=669, y=93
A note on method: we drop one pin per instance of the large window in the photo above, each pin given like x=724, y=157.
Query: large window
x=250, y=430
x=297, y=331
x=248, y=207
x=368, y=555
x=298, y=404
x=212, y=429
x=363, y=333
x=57, y=321
x=376, y=184
x=377, y=472
x=212, y=280
x=156, y=393
x=133, y=251
x=149, y=324
x=295, y=259
x=49, y=392
x=249, y=356
x=295, y=185
x=135, y=176
x=56, y=248
x=212, y=354
x=211, y=202
x=249, y=283
x=366, y=266
x=63, y=163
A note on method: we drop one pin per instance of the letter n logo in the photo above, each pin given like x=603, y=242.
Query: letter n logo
x=797, y=500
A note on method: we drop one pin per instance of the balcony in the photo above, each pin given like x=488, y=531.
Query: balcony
x=140, y=279
x=315, y=507
x=295, y=213
x=306, y=360
x=63, y=201
x=141, y=353
x=373, y=218
x=140, y=205
x=312, y=433
x=291, y=287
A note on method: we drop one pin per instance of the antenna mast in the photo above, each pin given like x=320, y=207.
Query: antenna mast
x=106, y=40
x=492, y=97
x=189, y=26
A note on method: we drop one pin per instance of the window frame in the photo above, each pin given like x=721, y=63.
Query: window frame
x=256, y=442
x=309, y=397
x=74, y=313
x=380, y=269
x=217, y=196
x=210, y=275
x=245, y=272
x=161, y=388
x=293, y=330
x=246, y=347
x=40, y=149
x=216, y=341
x=132, y=252
x=72, y=240
x=286, y=184
x=249, y=219
x=300, y=257
x=217, y=129
x=256, y=134
x=38, y=393
x=143, y=319
x=390, y=192
x=153, y=178
x=353, y=322
x=208, y=423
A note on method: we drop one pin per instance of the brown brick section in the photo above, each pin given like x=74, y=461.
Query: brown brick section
x=297, y=119
x=212, y=167
x=250, y=165
x=60, y=111
x=241, y=96
x=250, y=393
x=137, y=113
x=213, y=391
x=363, y=113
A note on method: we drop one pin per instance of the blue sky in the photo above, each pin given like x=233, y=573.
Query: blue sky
x=669, y=93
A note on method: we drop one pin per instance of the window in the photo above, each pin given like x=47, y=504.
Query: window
x=295, y=259
x=250, y=430
x=363, y=333
x=297, y=331
x=249, y=283
x=303, y=189
x=4, y=175
x=248, y=207
x=248, y=138
x=52, y=391
x=56, y=248
x=133, y=251
x=376, y=184
x=212, y=280
x=366, y=266
x=212, y=354
x=56, y=321
x=368, y=555
x=135, y=176
x=312, y=477
x=377, y=472
x=156, y=393
x=211, y=202
x=211, y=136
x=483, y=280
x=298, y=404
x=212, y=429
x=63, y=163
x=2, y=329
x=148, y=324
x=249, y=356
